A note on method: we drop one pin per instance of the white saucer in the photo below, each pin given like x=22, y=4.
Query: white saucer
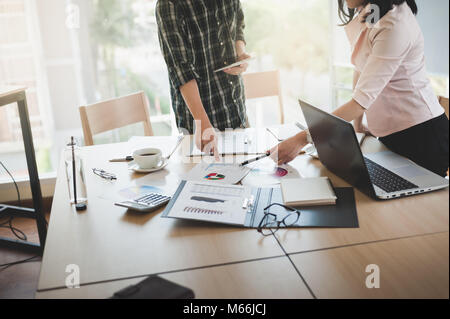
x=135, y=167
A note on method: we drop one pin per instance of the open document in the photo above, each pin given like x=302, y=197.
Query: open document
x=211, y=202
x=236, y=143
x=218, y=173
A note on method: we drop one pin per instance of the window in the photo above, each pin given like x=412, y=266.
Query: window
x=124, y=47
x=293, y=37
x=78, y=52
x=19, y=66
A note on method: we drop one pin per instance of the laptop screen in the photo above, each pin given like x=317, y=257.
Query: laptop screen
x=338, y=147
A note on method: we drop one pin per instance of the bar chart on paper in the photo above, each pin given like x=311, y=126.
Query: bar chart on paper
x=217, y=190
x=210, y=202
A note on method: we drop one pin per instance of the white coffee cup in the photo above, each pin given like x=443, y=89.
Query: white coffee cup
x=147, y=158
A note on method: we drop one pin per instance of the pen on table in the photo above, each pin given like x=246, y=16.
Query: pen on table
x=130, y=158
x=274, y=135
x=180, y=139
x=119, y=160
x=255, y=159
x=301, y=126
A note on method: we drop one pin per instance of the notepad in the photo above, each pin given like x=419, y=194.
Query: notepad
x=308, y=192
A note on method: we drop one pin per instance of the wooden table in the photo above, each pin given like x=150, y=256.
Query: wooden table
x=115, y=248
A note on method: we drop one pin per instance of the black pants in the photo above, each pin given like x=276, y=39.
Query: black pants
x=425, y=144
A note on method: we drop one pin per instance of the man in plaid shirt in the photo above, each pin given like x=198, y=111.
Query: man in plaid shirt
x=196, y=38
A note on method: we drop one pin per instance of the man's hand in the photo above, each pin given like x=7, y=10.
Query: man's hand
x=206, y=139
x=237, y=70
x=288, y=150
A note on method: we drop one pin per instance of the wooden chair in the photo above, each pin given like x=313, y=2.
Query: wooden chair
x=264, y=84
x=116, y=113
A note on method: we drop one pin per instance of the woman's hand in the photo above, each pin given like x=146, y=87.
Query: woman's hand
x=360, y=127
x=237, y=70
x=288, y=150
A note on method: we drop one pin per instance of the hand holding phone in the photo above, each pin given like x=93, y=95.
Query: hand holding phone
x=238, y=67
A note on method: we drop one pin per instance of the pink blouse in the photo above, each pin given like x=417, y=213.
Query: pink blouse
x=392, y=85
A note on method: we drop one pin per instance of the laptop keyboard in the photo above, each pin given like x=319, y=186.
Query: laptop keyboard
x=387, y=180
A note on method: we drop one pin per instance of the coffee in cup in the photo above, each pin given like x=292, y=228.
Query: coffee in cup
x=147, y=158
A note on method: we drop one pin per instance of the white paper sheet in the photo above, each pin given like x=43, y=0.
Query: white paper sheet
x=237, y=143
x=212, y=202
x=217, y=173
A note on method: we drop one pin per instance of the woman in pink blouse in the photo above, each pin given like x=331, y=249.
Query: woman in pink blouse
x=390, y=85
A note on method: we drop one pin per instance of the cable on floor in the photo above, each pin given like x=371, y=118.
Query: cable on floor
x=8, y=224
x=6, y=266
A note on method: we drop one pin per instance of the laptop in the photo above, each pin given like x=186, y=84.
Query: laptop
x=383, y=175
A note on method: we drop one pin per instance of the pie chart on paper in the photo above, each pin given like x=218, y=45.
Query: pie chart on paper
x=214, y=177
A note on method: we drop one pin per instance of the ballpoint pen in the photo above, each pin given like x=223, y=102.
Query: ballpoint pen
x=274, y=135
x=119, y=160
x=301, y=126
x=179, y=140
x=255, y=159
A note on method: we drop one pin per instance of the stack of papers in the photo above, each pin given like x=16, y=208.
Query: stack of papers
x=308, y=192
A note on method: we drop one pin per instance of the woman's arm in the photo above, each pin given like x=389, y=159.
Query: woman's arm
x=358, y=123
x=350, y=111
x=288, y=150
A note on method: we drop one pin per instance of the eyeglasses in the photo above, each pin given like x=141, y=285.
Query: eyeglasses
x=104, y=174
x=270, y=224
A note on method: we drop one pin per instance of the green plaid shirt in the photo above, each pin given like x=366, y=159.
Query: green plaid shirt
x=196, y=38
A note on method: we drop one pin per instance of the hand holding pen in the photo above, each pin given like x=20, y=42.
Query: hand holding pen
x=255, y=159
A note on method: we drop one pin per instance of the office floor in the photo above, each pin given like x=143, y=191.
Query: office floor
x=20, y=281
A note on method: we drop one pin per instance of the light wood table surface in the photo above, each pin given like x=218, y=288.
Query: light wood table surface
x=409, y=268
x=109, y=244
x=257, y=279
x=378, y=220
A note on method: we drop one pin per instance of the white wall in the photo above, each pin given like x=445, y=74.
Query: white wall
x=433, y=18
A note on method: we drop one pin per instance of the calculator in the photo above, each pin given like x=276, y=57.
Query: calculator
x=147, y=203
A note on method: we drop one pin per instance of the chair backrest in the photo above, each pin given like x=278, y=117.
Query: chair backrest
x=264, y=84
x=116, y=113
x=444, y=102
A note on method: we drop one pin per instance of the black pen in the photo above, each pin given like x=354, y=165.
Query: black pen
x=255, y=159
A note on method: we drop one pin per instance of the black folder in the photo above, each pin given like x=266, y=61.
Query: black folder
x=341, y=215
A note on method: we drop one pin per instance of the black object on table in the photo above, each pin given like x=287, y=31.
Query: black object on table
x=155, y=287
